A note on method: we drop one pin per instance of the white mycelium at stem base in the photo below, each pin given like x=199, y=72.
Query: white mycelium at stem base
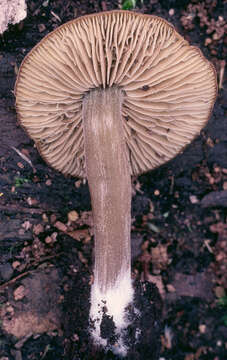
x=108, y=174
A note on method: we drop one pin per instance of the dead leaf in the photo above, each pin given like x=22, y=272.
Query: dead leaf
x=80, y=235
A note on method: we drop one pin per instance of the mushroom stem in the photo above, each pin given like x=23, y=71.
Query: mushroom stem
x=108, y=174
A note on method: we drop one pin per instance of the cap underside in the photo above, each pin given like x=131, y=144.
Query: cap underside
x=169, y=88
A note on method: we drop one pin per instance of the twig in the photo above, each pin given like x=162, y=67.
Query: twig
x=20, y=209
x=12, y=281
x=34, y=265
x=56, y=16
x=221, y=74
x=24, y=157
x=171, y=185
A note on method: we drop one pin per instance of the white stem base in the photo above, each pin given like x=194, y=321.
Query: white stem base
x=114, y=300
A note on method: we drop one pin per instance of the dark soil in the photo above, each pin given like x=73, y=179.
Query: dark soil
x=179, y=227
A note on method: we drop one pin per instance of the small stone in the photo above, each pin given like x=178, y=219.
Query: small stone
x=202, y=328
x=171, y=12
x=60, y=226
x=157, y=192
x=38, y=229
x=73, y=215
x=19, y=293
x=48, y=240
x=48, y=182
x=215, y=36
x=193, y=199
x=15, y=264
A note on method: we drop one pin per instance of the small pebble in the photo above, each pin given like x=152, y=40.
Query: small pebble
x=171, y=12
x=202, y=328
x=194, y=199
x=73, y=215
x=48, y=182
x=19, y=293
x=15, y=264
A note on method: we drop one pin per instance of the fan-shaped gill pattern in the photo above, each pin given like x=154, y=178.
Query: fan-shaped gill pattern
x=169, y=87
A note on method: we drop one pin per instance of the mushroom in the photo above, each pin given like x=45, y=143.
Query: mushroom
x=104, y=97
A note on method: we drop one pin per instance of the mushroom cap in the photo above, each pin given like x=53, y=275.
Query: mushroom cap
x=169, y=88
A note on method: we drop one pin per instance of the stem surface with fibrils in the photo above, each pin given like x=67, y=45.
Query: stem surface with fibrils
x=109, y=180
